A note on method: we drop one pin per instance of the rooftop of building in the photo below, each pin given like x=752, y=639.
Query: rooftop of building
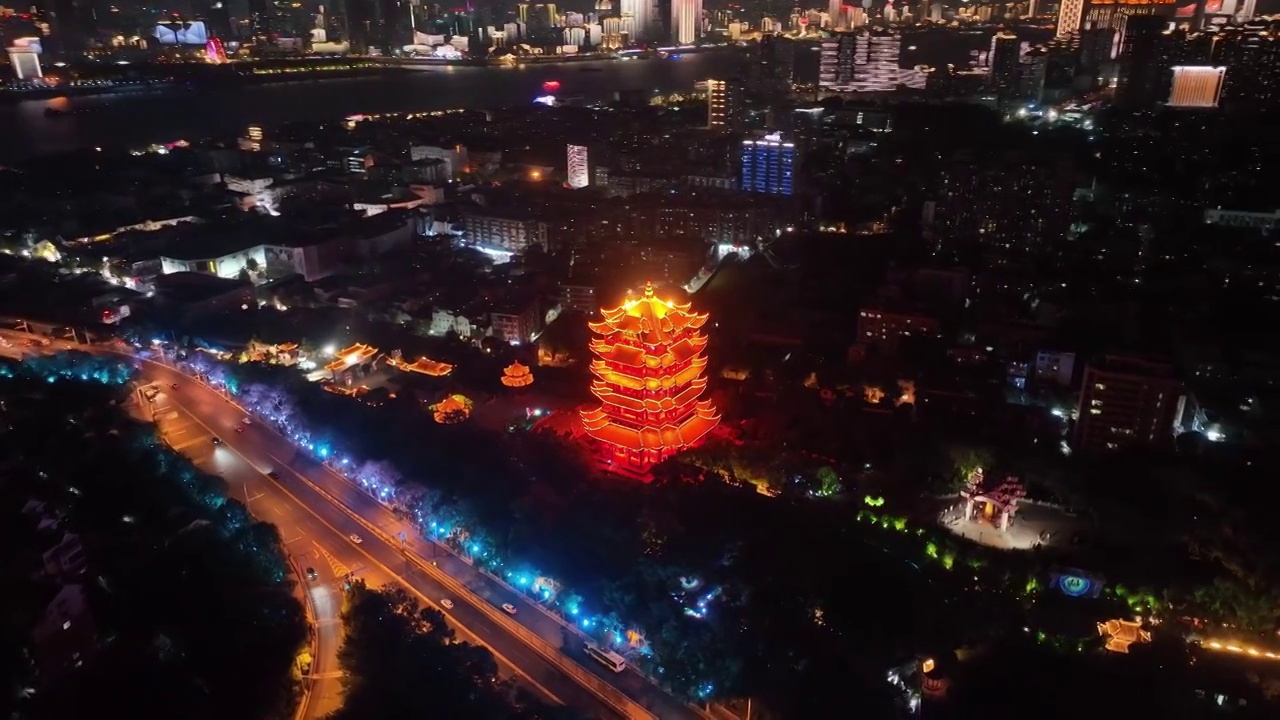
x=191, y=287
x=240, y=232
x=1136, y=365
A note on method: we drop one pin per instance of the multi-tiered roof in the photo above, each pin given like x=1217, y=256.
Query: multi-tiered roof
x=650, y=379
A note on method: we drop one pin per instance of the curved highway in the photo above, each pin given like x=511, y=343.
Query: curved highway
x=309, y=496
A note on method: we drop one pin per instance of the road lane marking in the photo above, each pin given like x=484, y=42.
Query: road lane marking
x=393, y=574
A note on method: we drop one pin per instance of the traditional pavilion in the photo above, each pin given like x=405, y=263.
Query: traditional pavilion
x=650, y=378
x=422, y=366
x=997, y=505
x=1120, y=634
x=351, y=356
x=452, y=410
x=517, y=375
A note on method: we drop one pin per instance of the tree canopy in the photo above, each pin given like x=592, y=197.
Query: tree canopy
x=403, y=661
x=191, y=598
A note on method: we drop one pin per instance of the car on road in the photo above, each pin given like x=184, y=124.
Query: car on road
x=447, y=604
x=355, y=538
x=311, y=574
x=508, y=608
x=239, y=428
x=217, y=440
x=273, y=474
x=246, y=421
x=174, y=386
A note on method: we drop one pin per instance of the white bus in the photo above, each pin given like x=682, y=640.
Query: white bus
x=611, y=660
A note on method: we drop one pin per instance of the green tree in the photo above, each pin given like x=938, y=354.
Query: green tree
x=965, y=459
x=828, y=482
x=402, y=660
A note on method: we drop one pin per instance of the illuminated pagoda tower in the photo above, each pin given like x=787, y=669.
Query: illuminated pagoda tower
x=650, y=379
x=517, y=375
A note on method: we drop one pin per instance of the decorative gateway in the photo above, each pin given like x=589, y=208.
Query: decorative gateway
x=650, y=374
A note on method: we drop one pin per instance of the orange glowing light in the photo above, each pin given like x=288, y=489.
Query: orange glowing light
x=1232, y=648
x=517, y=375
x=354, y=355
x=649, y=378
x=422, y=366
x=452, y=410
x=1121, y=634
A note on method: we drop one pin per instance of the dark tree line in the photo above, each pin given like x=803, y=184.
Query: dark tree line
x=403, y=661
x=191, y=598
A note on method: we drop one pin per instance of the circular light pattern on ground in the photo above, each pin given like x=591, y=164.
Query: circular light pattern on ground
x=1074, y=585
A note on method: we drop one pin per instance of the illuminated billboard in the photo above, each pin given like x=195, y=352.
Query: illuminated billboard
x=181, y=33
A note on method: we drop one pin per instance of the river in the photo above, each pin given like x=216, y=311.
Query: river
x=167, y=115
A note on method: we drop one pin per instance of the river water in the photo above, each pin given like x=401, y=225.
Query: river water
x=167, y=115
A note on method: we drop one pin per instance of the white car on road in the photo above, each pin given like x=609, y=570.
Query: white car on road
x=355, y=538
x=508, y=608
x=447, y=604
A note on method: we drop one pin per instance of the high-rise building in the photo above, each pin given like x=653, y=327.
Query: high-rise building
x=650, y=378
x=24, y=58
x=73, y=24
x=835, y=11
x=1144, y=60
x=1006, y=55
x=722, y=104
x=686, y=21
x=1196, y=86
x=635, y=18
x=579, y=170
x=1127, y=401
x=1076, y=15
x=768, y=165
x=865, y=62
x=1251, y=55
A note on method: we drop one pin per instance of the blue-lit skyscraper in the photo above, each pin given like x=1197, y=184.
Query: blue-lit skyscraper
x=768, y=165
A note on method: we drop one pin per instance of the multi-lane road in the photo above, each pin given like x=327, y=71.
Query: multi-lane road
x=322, y=542
x=318, y=511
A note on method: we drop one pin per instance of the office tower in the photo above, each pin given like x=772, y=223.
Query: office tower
x=217, y=18
x=1252, y=59
x=775, y=59
x=24, y=58
x=686, y=21
x=835, y=64
x=1032, y=74
x=1075, y=15
x=361, y=21
x=1127, y=401
x=1070, y=17
x=1196, y=87
x=865, y=62
x=72, y=25
x=635, y=18
x=611, y=34
x=1143, y=79
x=768, y=165
x=579, y=169
x=722, y=104
x=1006, y=52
